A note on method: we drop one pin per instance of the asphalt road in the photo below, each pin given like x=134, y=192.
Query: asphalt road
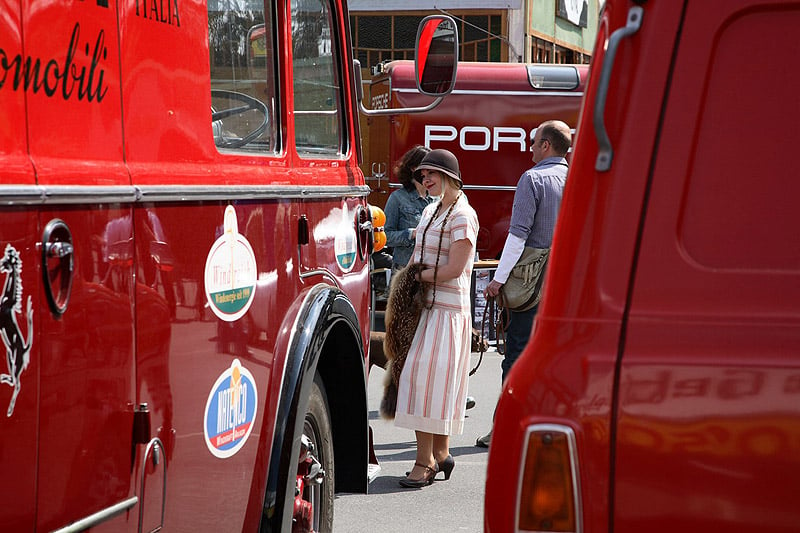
x=444, y=507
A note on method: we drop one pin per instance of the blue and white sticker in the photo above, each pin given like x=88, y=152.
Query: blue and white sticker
x=230, y=411
x=230, y=273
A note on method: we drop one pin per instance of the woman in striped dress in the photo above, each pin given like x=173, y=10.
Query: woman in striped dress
x=433, y=385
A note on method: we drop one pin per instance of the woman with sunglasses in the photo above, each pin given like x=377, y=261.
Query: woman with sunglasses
x=432, y=388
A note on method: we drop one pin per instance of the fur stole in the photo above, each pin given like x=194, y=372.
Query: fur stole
x=403, y=309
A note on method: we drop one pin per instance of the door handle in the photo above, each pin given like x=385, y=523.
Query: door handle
x=58, y=249
x=58, y=265
x=605, y=152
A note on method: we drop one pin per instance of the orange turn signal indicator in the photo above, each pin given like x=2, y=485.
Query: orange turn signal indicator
x=378, y=216
x=549, y=496
x=378, y=240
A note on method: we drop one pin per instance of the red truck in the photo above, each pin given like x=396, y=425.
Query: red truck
x=488, y=121
x=185, y=264
x=660, y=390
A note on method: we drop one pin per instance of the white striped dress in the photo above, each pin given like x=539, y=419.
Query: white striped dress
x=432, y=391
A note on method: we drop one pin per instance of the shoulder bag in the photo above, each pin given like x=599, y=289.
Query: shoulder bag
x=523, y=289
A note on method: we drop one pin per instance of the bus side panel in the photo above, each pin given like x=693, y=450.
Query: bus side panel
x=217, y=272
x=210, y=274
x=185, y=372
x=87, y=360
x=19, y=425
x=87, y=373
x=166, y=102
x=17, y=431
x=73, y=99
x=13, y=125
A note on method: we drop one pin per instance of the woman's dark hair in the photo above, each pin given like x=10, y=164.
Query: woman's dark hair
x=404, y=168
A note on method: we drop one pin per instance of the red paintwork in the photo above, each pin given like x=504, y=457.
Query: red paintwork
x=499, y=95
x=88, y=139
x=137, y=329
x=668, y=334
x=13, y=131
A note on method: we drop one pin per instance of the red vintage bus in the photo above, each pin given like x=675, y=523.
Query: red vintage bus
x=185, y=259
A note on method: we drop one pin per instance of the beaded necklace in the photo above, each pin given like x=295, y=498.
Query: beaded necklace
x=441, y=236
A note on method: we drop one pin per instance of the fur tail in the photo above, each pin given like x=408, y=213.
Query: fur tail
x=389, y=402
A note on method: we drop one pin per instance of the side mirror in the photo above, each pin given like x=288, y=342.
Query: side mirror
x=436, y=55
x=435, y=65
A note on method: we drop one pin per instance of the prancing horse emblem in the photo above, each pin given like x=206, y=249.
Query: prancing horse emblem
x=17, y=348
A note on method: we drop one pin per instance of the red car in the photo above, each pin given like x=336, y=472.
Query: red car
x=659, y=390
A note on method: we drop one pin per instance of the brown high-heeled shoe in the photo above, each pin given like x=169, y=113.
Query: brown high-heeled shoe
x=424, y=481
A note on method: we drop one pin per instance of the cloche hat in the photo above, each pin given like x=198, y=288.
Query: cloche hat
x=442, y=160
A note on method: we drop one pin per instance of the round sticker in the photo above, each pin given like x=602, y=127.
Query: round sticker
x=230, y=273
x=344, y=244
x=230, y=411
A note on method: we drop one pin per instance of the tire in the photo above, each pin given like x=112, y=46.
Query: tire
x=317, y=429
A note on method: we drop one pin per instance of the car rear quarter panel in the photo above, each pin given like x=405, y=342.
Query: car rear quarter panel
x=566, y=373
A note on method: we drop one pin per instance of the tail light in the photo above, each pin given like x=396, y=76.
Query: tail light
x=549, y=494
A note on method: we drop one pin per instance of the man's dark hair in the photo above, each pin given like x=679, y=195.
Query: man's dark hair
x=556, y=135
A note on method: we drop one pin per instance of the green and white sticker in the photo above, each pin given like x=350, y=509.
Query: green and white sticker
x=344, y=242
x=230, y=273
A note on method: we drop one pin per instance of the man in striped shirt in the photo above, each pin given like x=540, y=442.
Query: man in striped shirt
x=533, y=218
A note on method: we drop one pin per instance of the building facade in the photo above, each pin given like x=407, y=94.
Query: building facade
x=531, y=31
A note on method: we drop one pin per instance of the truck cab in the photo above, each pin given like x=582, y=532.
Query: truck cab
x=658, y=391
x=488, y=121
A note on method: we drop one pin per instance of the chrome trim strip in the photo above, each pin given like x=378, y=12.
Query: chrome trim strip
x=178, y=193
x=471, y=187
x=11, y=195
x=73, y=194
x=532, y=92
x=100, y=516
x=490, y=187
x=20, y=195
x=153, y=446
x=573, y=456
x=64, y=194
x=324, y=272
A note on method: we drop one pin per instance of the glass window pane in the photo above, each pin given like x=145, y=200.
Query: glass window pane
x=495, y=50
x=495, y=24
x=405, y=31
x=374, y=32
x=473, y=33
x=482, y=52
x=317, y=93
x=243, y=76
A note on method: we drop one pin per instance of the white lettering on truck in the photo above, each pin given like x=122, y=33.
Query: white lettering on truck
x=478, y=138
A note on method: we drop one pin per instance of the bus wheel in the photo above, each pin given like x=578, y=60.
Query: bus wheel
x=313, y=502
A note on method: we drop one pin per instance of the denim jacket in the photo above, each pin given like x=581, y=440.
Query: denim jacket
x=403, y=210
